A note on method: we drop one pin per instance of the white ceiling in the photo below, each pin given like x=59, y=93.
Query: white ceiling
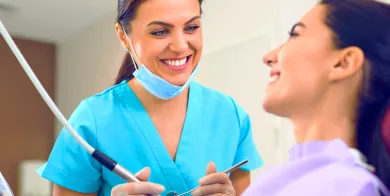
x=53, y=20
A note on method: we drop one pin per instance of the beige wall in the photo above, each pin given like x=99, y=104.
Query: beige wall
x=87, y=64
x=26, y=123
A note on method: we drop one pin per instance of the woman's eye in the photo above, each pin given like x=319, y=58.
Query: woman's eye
x=292, y=34
x=192, y=28
x=160, y=33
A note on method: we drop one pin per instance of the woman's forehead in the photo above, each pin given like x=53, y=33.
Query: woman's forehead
x=168, y=10
x=315, y=17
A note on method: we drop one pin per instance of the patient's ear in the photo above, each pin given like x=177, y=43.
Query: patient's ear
x=350, y=62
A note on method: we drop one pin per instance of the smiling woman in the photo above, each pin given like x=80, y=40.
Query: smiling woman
x=155, y=116
x=331, y=79
x=176, y=40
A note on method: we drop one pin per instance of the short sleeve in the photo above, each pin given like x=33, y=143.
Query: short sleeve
x=246, y=147
x=69, y=164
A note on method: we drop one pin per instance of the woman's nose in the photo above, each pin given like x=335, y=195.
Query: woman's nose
x=270, y=58
x=179, y=44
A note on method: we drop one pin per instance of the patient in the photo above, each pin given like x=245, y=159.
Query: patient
x=332, y=79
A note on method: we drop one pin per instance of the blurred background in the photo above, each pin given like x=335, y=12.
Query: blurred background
x=73, y=49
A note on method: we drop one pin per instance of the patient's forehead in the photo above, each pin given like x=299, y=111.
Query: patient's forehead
x=314, y=20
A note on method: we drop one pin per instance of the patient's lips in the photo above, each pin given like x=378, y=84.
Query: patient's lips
x=275, y=75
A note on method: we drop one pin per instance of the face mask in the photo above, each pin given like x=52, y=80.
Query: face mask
x=158, y=86
x=154, y=84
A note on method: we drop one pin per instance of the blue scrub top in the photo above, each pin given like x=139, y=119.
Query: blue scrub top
x=216, y=129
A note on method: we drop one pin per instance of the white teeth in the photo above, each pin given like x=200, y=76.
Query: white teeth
x=176, y=63
x=274, y=78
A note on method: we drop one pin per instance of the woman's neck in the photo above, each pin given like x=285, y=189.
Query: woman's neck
x=152, y=103
x=331, y=119
x=325, y=129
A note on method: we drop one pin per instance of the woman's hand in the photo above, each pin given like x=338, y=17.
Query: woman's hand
x=214, y=183
x=138, y=188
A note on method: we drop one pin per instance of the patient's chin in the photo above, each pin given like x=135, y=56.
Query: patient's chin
x=274, y=107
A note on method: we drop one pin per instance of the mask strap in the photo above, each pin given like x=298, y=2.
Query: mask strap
x=134, y=63
x=135, y=59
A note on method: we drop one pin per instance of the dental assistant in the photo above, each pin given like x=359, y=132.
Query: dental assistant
x=155, y=115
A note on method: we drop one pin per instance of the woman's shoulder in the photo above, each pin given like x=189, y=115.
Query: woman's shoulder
x=216, y=99
x=356, y=177
x=346, y=178
x=108, y=95
x=108, y=100
x=101, y=105
x=335, y=178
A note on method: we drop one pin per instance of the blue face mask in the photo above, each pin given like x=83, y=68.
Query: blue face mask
x=156, y=85
x=159, y=87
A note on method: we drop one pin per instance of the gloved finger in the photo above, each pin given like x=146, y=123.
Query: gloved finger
x=211, y=168
x=211, y=189
x=143, y=174
x=215, y=178
x=137, y=188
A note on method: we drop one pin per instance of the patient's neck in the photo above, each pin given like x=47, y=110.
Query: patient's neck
x=332, y=119
x=325, y=129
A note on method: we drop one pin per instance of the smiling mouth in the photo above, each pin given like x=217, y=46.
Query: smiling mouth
x=274, y=78
x=176, y=62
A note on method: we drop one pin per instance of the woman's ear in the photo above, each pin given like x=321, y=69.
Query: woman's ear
x=122, y=36
x=351, y=61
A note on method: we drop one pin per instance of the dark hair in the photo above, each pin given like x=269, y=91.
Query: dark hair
x=366, y=24
x=126, y=13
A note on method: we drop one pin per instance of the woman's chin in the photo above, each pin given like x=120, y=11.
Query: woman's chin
x=274, y=107
x=177, y=80
x=268, y=106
